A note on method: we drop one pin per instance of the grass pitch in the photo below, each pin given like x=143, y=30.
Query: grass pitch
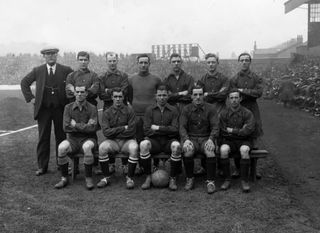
x=31, y=204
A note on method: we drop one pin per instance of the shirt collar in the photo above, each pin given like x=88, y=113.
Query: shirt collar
x=196, y=107
x=143, y=74
x=84, y=71
x=110, y=72
x=76, y=105
x=247, y=73
x=174, y=74
x=234, y=110
x=53, y=68
x=116, y=109
x=167, y=106
x=214, y=75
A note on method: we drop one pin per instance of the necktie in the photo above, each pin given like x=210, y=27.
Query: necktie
x=51, y=72
x=51, y=77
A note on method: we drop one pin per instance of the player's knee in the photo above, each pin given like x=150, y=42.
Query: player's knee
x=188, y=154
x=175, y=147
x=87, y=147
x=63, y=148
x=145, y=146
x=209, y=153
x=104, y=147
x=244, y=151
x=188, y=151
x=133, y=148
x=224, y=151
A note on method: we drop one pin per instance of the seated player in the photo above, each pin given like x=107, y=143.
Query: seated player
x=118, y=126
x=236, y=127
x=161, y=131
x=80, y=122
x=198, y=131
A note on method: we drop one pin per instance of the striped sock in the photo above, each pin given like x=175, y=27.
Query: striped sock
x=146, y=163
x=132, y=163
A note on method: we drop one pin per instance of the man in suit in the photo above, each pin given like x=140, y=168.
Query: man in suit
x=49, y=101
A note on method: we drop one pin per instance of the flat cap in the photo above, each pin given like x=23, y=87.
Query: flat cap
x=49, y=50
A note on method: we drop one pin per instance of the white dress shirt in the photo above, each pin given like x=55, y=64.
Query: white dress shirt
x=53, y=68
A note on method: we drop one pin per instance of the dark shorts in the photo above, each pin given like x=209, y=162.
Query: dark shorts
x=76, y=144
x=198, y=143
x=159, y=145
x=235, y=145
x=139, y=128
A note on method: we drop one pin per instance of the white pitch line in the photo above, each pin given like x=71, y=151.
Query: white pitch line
x=5, y=131
x=19, y=130
x=24, y=129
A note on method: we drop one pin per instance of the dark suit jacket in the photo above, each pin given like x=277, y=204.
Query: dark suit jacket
x=38, y=75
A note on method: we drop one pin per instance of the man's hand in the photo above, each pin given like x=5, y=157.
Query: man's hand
x=73, y=123
x=126, y=127
x=70, y=89
x=155, y=127
x=222, y=89
x=183, y=93
x=209, y=145
x=205, y=94
x=106, y=90
x=229, y=130
x=188, y=145
x=240, y=89
x=33, y=101
x=91, y=122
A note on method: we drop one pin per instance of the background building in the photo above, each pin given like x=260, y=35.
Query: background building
x=164, y=51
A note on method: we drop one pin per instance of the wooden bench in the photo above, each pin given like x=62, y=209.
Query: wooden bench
x=254, y=156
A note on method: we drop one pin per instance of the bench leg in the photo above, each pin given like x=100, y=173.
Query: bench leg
x=72, y=166
x=253, y=169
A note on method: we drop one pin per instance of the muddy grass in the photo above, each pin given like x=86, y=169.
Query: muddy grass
x=31, y=204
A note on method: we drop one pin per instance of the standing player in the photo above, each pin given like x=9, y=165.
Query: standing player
x=236, y=127
x=118, y=126
x=216, y=85
x=83, y=77
x=179, y=83
x=49, y=101
x=144, y=87
x=161, y=131
x=111, y=79
x=198, y=132
x=80, y=122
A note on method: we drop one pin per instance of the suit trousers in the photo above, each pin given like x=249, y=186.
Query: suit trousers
x=45, y=118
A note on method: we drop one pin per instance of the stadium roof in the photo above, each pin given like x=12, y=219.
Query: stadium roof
x=293, y=4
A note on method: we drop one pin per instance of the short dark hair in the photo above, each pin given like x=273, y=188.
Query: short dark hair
x=143, y=55
x=162, y=87
x=83, y=54
x=212, y=55
x=175, y=55
x=243, y=54
x=232, y=90
x=111, y=53
x=116, y=89
x=197, y=86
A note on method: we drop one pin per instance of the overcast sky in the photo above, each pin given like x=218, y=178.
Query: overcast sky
x=132, y=26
